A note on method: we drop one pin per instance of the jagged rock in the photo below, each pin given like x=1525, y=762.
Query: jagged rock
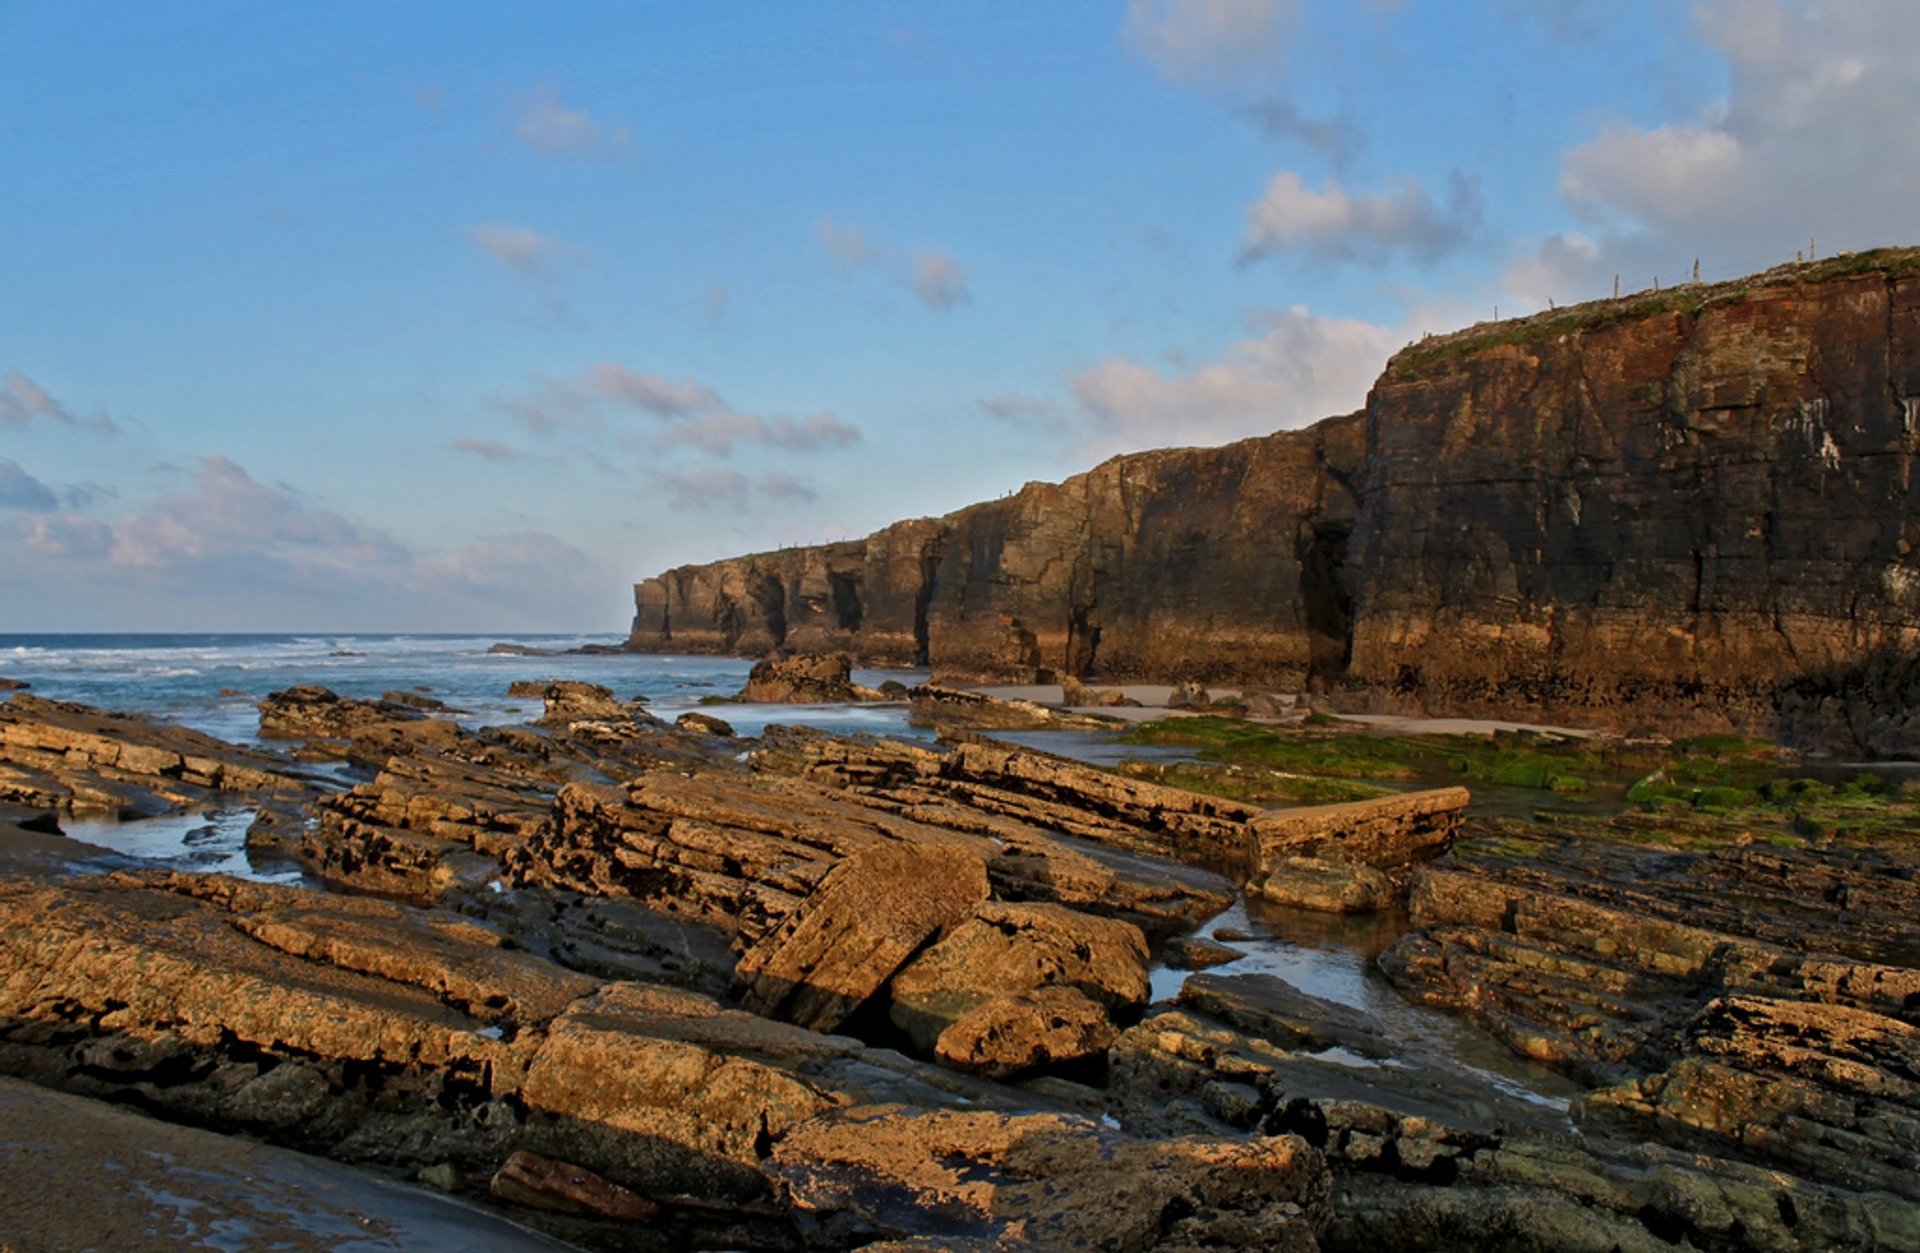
x=806, y=679
x=1829, y=1091
x=705, y=724
x=978, y=781
x=869, y=914
x=953, y=708
x=1008, y=949
x=1021, y=1032
x=1045, y=1181
x=530, y=1179
x=13, y=685
x=71, y=757
x=569, y=701
x=309, y=711
x=1355, y=857
x=375, y=1033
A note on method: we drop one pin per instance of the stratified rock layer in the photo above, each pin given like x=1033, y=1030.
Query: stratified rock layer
x=1698, y=506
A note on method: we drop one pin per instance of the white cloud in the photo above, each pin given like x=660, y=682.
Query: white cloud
x=939, y=281
x=24, y=402
x=1298, y=367
x=1330, y=225
x=552, y=129
x=1817, y=140
x=1669, y=173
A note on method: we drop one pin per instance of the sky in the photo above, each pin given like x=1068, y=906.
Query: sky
x=378, y=317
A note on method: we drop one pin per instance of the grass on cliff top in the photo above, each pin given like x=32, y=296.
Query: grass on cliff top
x=1687, y=298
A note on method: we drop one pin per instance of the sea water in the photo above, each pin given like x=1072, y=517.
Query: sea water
x=213, y=682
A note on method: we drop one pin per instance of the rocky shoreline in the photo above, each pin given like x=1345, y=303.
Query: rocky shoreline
x=645, y=985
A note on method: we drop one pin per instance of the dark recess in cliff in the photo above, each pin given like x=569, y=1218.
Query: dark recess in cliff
x=1690, y=509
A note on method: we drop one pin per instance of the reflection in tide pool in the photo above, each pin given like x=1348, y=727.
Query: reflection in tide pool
x=1332, y=956
x=211, y=842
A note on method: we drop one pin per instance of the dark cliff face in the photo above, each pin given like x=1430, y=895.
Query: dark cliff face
x=1697, y=508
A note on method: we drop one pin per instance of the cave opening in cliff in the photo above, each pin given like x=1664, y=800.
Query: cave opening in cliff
x=1083, y=642
x=844, y=590
x=1326, y=601
x=922, y=602
x=771, y=597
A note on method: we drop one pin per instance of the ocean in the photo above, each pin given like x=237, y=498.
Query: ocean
x=213, y=682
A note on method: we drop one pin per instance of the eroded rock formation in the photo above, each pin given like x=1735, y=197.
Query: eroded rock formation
x=1697, y=506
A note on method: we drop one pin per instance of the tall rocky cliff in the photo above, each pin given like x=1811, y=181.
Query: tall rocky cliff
x=1695, y=508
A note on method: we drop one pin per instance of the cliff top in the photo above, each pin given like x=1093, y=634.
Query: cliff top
x=1688, y=298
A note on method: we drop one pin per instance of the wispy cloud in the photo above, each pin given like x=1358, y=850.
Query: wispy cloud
x=226, y=534
x=20, y=490
x=939, y=281
x=688, y=413
x=24, y=402
x=1211, y=42
x=552, y=128
x=726, y=489
x=491, y=449
x=935, y=278
x=847, y=245
x=1331, y=225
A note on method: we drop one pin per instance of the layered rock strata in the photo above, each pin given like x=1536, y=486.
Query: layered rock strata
x=1698, y=506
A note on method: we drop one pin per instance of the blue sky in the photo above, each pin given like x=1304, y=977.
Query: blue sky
x=413, y=317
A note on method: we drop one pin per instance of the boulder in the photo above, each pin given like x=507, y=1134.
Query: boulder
x=1332, y=887
x=704, y=724
x=1077, y=695
x=1008, y=949
x=309, y=711
x=1189, y=695
x=569, y=701
x=804, y=679
x=1354, y=857
x=868, y=916
x=1017, y=1034
x=1045, y=1181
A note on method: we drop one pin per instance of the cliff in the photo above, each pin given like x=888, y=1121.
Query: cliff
x=1696, y=508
